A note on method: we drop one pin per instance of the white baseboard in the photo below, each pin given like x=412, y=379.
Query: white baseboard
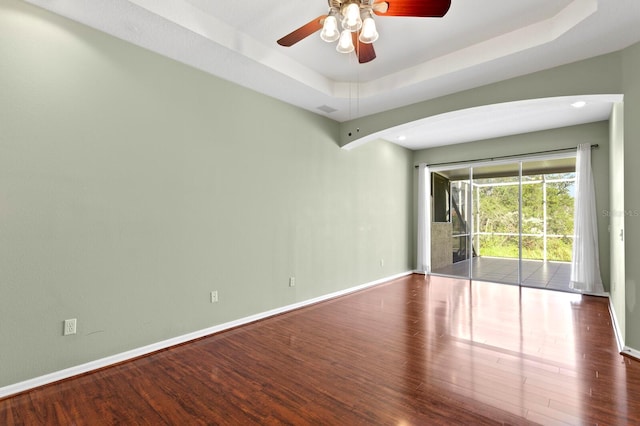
x=626, y=350
x=634, y=353
x=145, y=350
x=616, y=326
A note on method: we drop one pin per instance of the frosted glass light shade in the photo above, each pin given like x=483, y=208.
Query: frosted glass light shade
x=345, y=44
x=330, y=31
x=352, y=20
x=369, y=34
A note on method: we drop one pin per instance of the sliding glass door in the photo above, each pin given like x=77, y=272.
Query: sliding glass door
x=507, y=222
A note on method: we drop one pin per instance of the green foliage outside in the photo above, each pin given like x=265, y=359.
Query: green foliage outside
x=497, y=211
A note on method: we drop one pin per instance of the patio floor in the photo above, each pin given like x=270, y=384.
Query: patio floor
x=535, y=273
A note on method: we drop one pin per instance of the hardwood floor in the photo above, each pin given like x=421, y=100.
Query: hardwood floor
x=413, y=351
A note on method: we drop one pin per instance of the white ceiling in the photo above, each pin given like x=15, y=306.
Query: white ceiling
x=476, y=43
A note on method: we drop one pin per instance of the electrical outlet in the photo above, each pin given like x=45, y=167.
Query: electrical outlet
x=292, y=281
x=214, y=296
x=70, y=326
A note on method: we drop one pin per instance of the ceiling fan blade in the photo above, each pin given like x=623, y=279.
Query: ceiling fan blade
x=303, y=32
x=418, y=8
x=364, y=51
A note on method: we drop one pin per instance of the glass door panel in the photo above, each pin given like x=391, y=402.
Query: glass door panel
x=496, y=230
x=533, y=217
x=560, y=193
x=450, y=228
x=547, y=221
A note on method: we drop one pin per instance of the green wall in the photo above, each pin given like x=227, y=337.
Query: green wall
x=566, y=137
x=631, y=88
x=131, y=186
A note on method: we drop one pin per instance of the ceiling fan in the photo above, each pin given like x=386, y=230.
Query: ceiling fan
x=358, y=27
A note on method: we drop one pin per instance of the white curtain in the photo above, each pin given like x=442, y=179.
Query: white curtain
x=585, y=268
x=424, y=219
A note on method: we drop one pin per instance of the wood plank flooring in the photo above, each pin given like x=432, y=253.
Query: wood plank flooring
x=414, y=351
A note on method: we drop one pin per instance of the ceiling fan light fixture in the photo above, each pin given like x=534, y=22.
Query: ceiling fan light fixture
x=345, y=44
x=369, y=33
x=330, y=31
x=357, y=25
x=351, y=14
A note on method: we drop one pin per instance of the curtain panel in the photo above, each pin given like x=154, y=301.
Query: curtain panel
x=585, y=267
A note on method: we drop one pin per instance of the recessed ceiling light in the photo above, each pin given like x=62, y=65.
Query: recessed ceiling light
x=402, y=138
x=578, y=104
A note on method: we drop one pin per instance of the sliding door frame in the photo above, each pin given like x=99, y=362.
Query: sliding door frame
x=519, y=160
